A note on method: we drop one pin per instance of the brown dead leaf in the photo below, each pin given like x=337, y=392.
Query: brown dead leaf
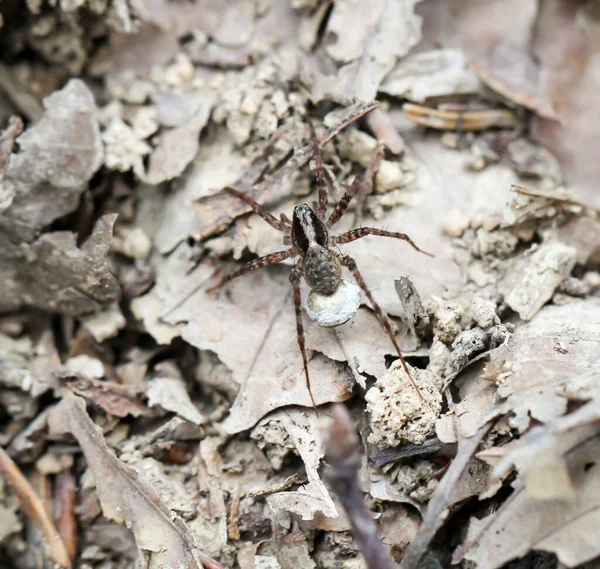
x=566, y=527
x=251, y=326
x=127, y=497
x=313, y=497
x=179, y=146
x=116, y=399
x=547, y=355
x=57, y=158
x=566, y=42
x=367, y=39
x=54, y=274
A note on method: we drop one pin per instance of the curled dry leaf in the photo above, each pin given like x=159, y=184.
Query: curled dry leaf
x=54, y=274
x=313, y=497
x=127, y=497
x=57, y=158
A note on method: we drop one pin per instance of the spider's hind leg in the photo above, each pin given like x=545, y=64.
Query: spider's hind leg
x=295, y=280
x=350, y=263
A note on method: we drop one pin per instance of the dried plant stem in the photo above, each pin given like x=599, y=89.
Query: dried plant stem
x=34, y=509
x=342, y=475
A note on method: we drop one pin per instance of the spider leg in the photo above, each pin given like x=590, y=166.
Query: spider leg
x=295, y=280
x=271, y=259
x=366, y=187
x=355, y=234
x=280, y=225
x=340, y=209
x=349, y=262
x=319, y=173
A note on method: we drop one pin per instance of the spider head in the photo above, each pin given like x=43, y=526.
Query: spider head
x=308, y=229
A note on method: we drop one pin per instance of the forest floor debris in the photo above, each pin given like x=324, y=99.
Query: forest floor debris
x=145, y=420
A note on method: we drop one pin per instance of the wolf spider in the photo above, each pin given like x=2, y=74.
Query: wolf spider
x=320, y=264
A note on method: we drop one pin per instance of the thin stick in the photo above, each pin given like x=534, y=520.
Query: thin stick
x=342, y=455
x=34, y=509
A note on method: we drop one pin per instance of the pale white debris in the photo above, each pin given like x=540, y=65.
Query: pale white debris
x=171, y=394
x=398, y=414
x=549, y=265
x=86, y=366
x=105, y=323
x=333, y=310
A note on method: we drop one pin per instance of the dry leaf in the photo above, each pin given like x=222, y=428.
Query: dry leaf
x=116, y=399
x=169, y=391
x=57, y=158
x=566, y=527
x=566, y=43
x=252, y=328
x=368, y=39
x=54, y=274
x=178, y=147
x=126, y=496
x=313, y=497
x=547, y=355
x=431, y=74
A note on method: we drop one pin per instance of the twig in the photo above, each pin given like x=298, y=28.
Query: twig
x=34, y=509
x=437, y=510
x=64, y=498
x=594, y=211
x=342, y=475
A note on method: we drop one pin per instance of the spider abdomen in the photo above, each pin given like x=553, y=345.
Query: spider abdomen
x=321, y=269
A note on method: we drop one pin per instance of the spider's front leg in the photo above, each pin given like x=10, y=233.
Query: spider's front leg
x=271, y=259
x=295, y=281
x=350, y=263
x=361, y=232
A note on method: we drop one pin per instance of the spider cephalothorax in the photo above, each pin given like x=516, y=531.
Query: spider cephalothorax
x=322, y=271
x=320, y=264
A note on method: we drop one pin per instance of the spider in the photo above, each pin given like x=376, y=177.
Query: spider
x=320, y=264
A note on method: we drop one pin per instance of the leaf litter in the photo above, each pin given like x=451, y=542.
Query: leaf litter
x=195, y=443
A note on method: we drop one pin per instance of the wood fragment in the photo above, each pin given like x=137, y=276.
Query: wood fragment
x=461, y=120
x=342, y=475
x=64, y=502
